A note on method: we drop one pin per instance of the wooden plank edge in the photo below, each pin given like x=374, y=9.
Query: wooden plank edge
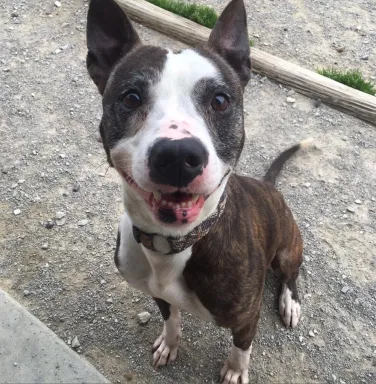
x=304, y=81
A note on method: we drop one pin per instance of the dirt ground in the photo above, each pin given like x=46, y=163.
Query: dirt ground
x=50, y=162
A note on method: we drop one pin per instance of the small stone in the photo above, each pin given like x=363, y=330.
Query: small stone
x=7, y=69
x=82, y=223
x=301, y=339
x=345, y=289
x=311, y=334
x=26, y=292
x=144, y=317
x=317, y=103
x=290, y=92
x=307, y=185
x=61, y=222
x=290, y=100
x=344, y=138
x=75, y=342
x=62, y=155
x=17, y=212
x=15, y=364
x=59, y=215
x=365, y=57
x=340, y=49
x=334, y=377
x=14, y=185
x=103, y=282
x=57, y=4
x=357, y=201
x=110, y=300
x=358, y=28
x=45, y=246
x=349, y=209
x=49, y=224
x=21, y=181
x=14, y=14
x=76, y=188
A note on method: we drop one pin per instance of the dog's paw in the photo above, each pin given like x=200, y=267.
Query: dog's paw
x=165, y=351
x=289, y=309
x=232, y=376
x=235, y=369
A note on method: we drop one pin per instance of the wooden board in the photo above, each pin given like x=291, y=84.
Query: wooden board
x=309, y=83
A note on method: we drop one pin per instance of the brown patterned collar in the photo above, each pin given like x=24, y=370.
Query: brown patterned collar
x=172, y=245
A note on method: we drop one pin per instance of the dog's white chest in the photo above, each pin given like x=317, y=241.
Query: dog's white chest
x=160, y=276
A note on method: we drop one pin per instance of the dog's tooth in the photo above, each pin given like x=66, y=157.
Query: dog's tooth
x=177, y=206
x=164, y=202
x=183, y=205
x=195, y=198
x=157, y=196
x=189, y=204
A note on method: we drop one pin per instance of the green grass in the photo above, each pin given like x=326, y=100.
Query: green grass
x=200, y=14
x=351, y=78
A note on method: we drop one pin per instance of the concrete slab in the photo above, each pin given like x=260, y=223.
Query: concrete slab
x=32, y=353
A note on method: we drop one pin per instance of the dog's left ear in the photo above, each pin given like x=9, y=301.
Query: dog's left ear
x=110, y=35
x=230, y=39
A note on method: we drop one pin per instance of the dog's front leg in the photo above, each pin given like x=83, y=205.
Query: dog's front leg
x=165, y=348
x=237, y=363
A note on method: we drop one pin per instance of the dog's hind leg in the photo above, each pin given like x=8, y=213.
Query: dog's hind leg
x=286, y=264
x=165, y=348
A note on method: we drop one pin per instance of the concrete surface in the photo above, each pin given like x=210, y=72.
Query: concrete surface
x=32, y=353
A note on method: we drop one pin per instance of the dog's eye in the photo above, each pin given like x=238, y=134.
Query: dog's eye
x=132, y=100
x=220, y=103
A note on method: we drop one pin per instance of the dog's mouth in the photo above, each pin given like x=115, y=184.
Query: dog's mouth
x=171, y=208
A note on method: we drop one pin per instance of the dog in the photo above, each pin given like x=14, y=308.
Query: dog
x=195, y=235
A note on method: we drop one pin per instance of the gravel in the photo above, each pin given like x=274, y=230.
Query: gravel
x=144, y=317
x=75, y=343
x=63, y=117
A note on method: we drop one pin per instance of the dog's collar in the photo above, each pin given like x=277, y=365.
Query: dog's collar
x=171, y=245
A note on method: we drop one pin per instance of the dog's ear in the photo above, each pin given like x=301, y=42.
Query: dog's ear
x=230, y=39
x=110, y=35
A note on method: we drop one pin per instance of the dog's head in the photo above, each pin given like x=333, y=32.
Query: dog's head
x=172, y=122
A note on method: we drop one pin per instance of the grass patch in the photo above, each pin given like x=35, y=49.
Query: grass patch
x=200, y=14
x=351, y=78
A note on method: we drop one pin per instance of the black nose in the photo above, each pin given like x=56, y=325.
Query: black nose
x=177, y=162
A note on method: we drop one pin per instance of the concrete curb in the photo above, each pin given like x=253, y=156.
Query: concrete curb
x=31, y=353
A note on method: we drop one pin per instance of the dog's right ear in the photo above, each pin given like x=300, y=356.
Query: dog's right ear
x=110, y=35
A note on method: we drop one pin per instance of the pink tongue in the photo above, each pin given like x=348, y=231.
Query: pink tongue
x=183, y=215
x=189, y=214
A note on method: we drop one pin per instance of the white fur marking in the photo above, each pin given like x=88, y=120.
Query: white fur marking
x=236, y=366
x=289, y=309
x=155, y=274
x=167, y=344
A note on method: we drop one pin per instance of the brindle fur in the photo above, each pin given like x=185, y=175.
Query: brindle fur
x=228, y=267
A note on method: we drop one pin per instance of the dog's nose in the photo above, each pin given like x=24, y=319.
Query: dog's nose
x=177, y=162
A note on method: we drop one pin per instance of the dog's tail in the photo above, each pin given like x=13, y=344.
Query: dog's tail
x=279, y=162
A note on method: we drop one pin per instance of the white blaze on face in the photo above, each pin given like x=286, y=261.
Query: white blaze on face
x=174, y=106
